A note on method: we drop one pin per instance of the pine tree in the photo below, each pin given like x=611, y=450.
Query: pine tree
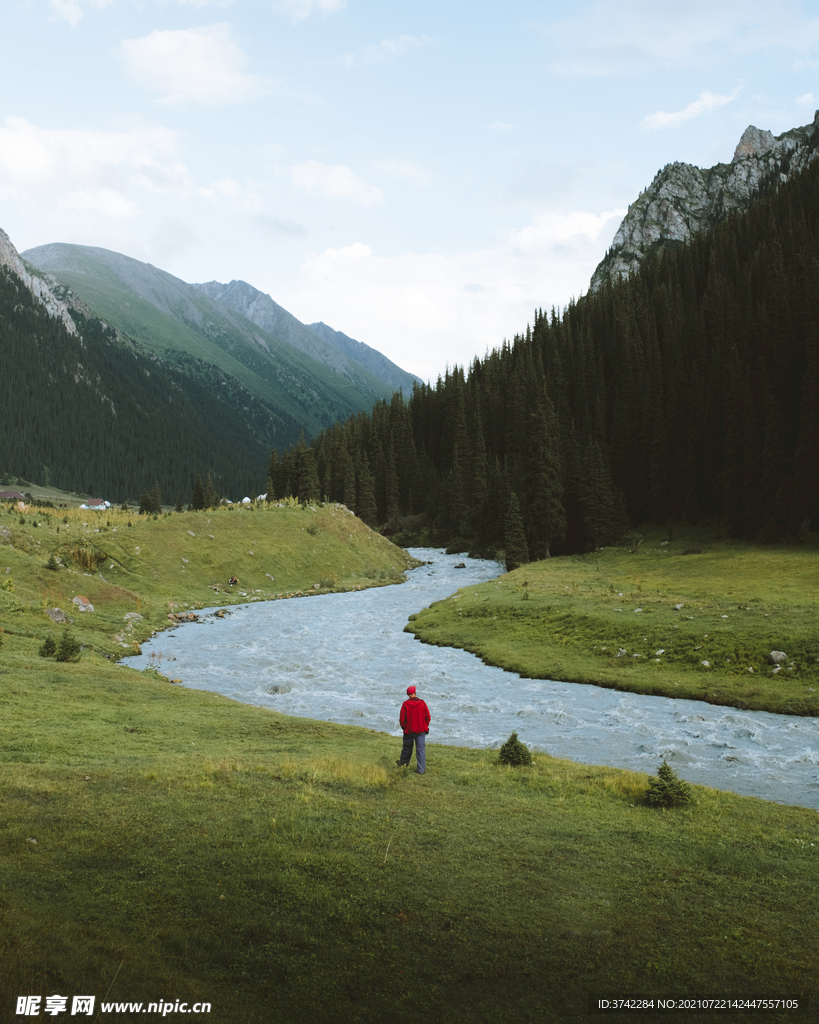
x=668, y=790
x=198, y=496
x=514, y=537
x=156, y=500
x=366, y=509
x=515, y=753
x=308, y=477
x=545, y=514
x=210, y=497
x=69, y=647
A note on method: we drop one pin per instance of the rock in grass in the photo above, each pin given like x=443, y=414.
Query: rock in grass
x=514, y=752
x=777, y=657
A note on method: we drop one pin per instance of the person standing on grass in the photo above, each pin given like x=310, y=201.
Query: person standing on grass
x=414, y=721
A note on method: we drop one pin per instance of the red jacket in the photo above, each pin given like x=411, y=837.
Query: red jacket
x=414, y=715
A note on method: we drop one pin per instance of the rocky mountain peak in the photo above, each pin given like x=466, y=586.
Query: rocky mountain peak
x=683, y=200
x=42, y=286
x=754, y=142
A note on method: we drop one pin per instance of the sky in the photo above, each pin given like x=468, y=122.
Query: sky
x=421, y=176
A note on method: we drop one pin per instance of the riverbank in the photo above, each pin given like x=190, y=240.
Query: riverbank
x=119, y=576
x=165, y=843
x=693, y=616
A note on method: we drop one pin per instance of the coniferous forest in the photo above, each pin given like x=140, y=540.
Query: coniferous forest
x=92, y=413
x=689, y=392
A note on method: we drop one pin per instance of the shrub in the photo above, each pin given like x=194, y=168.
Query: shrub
x=668, y=790
x=48, y=648
x=7, y=584
x=52, y=563
x=514, y=752
x=69, y=647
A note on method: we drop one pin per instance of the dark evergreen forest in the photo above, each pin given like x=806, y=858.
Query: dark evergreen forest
x=689, y=392
x=95, y=415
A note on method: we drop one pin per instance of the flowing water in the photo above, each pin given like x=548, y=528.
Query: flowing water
x=345, y=658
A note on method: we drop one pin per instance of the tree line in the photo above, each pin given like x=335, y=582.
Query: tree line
x=686, y=393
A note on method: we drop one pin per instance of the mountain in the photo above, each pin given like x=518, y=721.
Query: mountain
x=683, y=200
x=42, y=287
x=304, y=389
x=87, y=410
x=368, y=357
x=260, y=308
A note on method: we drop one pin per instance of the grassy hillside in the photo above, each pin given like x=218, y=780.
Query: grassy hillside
x=124, y=563
x=287, y=380
x=612, y=618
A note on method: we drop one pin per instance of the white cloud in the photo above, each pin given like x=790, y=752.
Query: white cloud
x=299, y=10
x=808, y=100
x=85, y=169
x=200, y=65
x=499, y=126
x=72, y=10
x=403, y=169
x=420, y=305
x=704, y=102
x=611, y=37
x=387, y=49
x=335, y=182
x=105, y=201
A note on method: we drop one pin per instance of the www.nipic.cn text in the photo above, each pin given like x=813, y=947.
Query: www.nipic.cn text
x=33, y=1006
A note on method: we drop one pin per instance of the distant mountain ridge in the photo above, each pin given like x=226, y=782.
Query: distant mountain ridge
x=305, y=382
x=683, y=200
x=261, y=309
x=125, y=375
x=375, y=361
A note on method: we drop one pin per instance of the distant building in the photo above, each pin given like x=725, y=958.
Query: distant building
x=12, y=496
x=97, y=505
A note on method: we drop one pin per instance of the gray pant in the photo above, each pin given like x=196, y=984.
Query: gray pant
x=420, y=741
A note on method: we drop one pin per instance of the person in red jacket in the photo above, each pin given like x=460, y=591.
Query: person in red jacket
x=414, y=721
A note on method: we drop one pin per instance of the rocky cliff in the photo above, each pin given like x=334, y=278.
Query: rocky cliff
x=43, y=287
x=683, y=199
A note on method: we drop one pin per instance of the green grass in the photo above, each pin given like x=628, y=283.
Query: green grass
x=569, y=618
x=172, y=844
x=161, y=843
x=125, y=564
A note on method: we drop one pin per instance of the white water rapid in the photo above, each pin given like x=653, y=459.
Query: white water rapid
x=345, y=658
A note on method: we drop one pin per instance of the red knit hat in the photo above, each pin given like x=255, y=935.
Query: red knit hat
x=410, y=691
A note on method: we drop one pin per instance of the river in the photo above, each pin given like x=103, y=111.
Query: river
x=345, y=658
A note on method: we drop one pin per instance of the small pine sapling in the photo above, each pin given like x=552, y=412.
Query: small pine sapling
x=69, y=647
x=48, y=648
x=515, y=753
x=668, y=790
x=52, y=563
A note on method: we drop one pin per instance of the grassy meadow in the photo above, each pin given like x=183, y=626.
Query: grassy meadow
x=694, y=616
x=146, y=568
x=161, y=843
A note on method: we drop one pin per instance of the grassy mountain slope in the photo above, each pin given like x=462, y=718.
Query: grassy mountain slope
x=175, y=320
x=93, y=413
x=374, y=360
x=260, y=309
